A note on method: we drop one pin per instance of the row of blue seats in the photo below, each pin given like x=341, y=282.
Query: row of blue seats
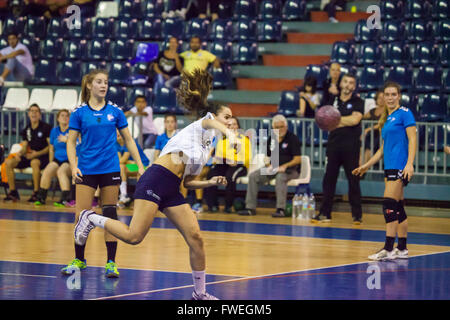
x=414, y=9
x=394, y=53
x=398, y=30
x=153, y=29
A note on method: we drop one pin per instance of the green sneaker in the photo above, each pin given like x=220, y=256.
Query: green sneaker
x=39, y=203
x=75, y=263
x=111, y=270
x=59, y=204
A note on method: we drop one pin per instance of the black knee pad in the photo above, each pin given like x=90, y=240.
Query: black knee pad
x=401, y=212
x=110, y=211
x=390, y=210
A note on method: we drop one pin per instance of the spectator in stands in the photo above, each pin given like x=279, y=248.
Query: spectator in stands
x=373, y=114
x=170, y=129
x=343, y=149
x=286, y=168
x=87, y=7
x=213, y=9
x=331, y=85
x=34, y=153
x=332, y=6
x=149, y=131
x=231, y=164
x=447, y=149
x=58, y=162
x=125, y=160
x=198, y=58
x=19, y=63
x=168, y=66
x=309, y=98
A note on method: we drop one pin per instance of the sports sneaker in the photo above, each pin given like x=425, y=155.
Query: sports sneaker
x=197, y=207
x=333, y=20
x=320, y=218
x=357, y=221
x=33, y=197
x=60, y=204
x=12, y=195
x=111, y=270
x=383, y=254
x=203, y=296
x=401, y=254
x=75, y=263
x=279, y=214
x=83, y=227
x=247, y=212
x=39, y=203
x=70, y=204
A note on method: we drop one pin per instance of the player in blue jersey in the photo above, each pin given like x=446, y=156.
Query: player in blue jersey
x=398, y=149
x=158, y=189
x=95, y=122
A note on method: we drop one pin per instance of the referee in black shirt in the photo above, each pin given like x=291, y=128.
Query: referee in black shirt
x=343, y=149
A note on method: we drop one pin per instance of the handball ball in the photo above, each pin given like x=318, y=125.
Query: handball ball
x=328, y=118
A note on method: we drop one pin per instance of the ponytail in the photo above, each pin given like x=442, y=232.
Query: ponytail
x=193, y=91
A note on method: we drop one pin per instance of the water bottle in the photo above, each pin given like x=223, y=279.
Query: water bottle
x=312, y=206
x=304, y=212
x=295, y=207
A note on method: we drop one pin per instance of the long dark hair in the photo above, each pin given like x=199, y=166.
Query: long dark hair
x=312, y=82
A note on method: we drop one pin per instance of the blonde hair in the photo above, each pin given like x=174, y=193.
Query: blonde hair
x=384, y=115
x=193, y=91
x=88, y=79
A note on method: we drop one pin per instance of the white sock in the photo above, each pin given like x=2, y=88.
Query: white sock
x=199, y=281
x=123, y=188
x=98, y=220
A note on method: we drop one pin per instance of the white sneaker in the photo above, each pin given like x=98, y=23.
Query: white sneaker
x=333, y=20
x=401, y=254
x=124, y=198
x=203, y=296
x=383, y=255
x=83, y=227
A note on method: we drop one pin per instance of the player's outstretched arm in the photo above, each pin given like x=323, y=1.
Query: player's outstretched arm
x=360, y=171
x=190, y=182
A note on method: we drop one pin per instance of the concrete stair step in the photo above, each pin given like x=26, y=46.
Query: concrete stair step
x=293, y=60
x=268, y=72
x=341, y=16
x=307, y=38
x=267, y=84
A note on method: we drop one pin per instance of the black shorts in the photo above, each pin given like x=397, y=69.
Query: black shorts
x=161, y=186
x=25, y=163
x=101, y=180
x=59, y=163
x=395, y=174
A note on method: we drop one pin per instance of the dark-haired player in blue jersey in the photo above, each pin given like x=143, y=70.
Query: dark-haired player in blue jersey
x=398, y=149
x=96, y=121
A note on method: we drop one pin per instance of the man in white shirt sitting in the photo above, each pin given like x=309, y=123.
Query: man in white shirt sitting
x=19, y=63
x=149, y=131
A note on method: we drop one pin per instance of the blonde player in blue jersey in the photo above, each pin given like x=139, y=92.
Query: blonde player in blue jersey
x=95, y=122
x=158, y=189
x=398, y=149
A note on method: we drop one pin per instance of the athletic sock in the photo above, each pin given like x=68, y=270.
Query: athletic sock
x=65, y=196
x=98, y=220
x=389, y=244
x=111, y=248
x=123, y=188
x=199, y=281
x=42, y=194
x=401, y=244
x=79, y=252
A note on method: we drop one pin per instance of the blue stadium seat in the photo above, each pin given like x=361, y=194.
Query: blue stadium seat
x=396, y=53
x=442, y=31
x=244, y=29
x=36, y=27
x=196, y=27
x=245, y=52
x=122, y=49
x=402, y=74
x=131, y=9
x=133, y=92
x=362, y=32
x=150, y=29
x=294, y=10
x=409, y=100
x=88, y=66
x=75, y=49
x=446, y=82
x=51, y=48
x=15, y=24
x=3, y=43
x=173, y=27
x=342, y=52
x=33, y=46
x=45, y=72
x=433, y=107
x=153, y=9
x=57, y=28
x=69, y=72
x=269, y=9
x=419, y=30
x=320, y=72
x=348, y=68
x=117, y=95
x=222, y=49
x=103, y=28
x=417, y=9
x=222, y=78
x=221, y=29
x=425, y=53
x=173, y=5
x=126, y=28
x=99, y=49
x=83, y=32
x=393, y=31
x=369, y=53
x=119, y=73
x=245, y=9
x=441, y=10
x=428, y=79
x=289, y=103
x=269, y=30
x=391, y=9
x=225, y=10
x=371, y=78
x=165, y=100
x=444, y=53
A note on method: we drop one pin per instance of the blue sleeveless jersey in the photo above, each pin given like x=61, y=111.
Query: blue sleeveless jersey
x=59, y=147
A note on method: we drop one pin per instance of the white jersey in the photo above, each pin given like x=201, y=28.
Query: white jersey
x=195, y=142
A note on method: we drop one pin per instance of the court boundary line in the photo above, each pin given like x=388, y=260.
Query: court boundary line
x=247, y=278
x=26, y=275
